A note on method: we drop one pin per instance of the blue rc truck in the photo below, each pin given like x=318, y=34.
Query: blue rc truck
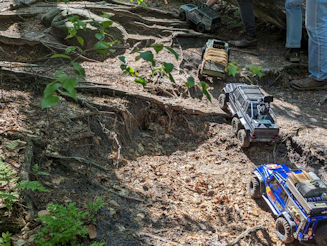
x=297, y=198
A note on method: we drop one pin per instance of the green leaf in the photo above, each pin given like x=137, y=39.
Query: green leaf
x=122, y=59
x=172, y=51
x=112, y=50
x=168, y=67
x=49, y=101
x=233, y=69
x=141, y=80
x=99, y=36
x=79, y=70
x=130, y=70
x=123, y=67
x=205, y=87
x=50, y=89
x=69, y=85
x=190, y=82
x=31, y=185
x=80, y=40
x=70, y=49
x=60, y=56
x=107, y=24
x=158, y=47
x=255, y=70
x=101, y=47
x=71, y=33
x=171, y=78
x=147, y=55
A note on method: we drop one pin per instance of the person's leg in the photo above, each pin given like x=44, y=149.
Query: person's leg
x=293, y=29
x=248, y=19
x=247, y=16
x=316, y=24
x=293, y=23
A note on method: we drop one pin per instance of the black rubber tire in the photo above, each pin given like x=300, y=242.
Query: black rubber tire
x=254, y=187
x=182, y=15
x=321, y=235
x=222, y=99
x=243, y=138
x=200, y=27
x=236, y=125
x=284, y=230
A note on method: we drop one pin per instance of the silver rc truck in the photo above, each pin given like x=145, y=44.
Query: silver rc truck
x=298, y=199
x=253, y=119
x=204, y=18
x=215, y=58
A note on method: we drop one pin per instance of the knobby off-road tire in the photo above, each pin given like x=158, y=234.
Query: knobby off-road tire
x=284, y=230
x=254, y=187
x=236, y=125
x=321, y=235
x=182, y=15
x=200, y=27
x=222, y=102
x=243, y=138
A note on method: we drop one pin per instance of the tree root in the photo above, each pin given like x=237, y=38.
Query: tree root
x=250, y=231
x=115, y=92
x=79, y=159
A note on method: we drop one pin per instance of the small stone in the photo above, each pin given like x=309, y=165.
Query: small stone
x=92, y=231
x=43, y=212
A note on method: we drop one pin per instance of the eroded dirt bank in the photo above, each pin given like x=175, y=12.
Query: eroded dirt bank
x=166, y=164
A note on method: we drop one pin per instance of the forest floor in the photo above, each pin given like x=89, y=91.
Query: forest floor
x=166, y=163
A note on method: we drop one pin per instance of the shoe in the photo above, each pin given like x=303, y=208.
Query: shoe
x=292, y=55
x=309, y=84
x=246, y=40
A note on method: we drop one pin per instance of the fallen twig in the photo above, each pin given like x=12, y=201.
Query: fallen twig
x=250, y=231
x=156, y=237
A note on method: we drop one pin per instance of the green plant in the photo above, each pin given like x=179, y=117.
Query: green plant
x=163, y=70
x=61, y=226
x=5, y=239
x=94, y=207
x=233, y=69
x=255, y=70
x=10, y=193
x=64, y=83
x=7, y=180
x=97, y=244
x=36, y=170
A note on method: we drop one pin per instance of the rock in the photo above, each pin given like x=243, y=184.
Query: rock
x=92, y=231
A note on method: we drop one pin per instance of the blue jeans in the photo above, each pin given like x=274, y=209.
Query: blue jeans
x=293, y=23
x=316, y=24
x=247, y=16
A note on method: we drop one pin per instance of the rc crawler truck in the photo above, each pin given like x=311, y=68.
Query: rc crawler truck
x=215, y=58
x=253, y=119
x=297, y=198
x=204, y=18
